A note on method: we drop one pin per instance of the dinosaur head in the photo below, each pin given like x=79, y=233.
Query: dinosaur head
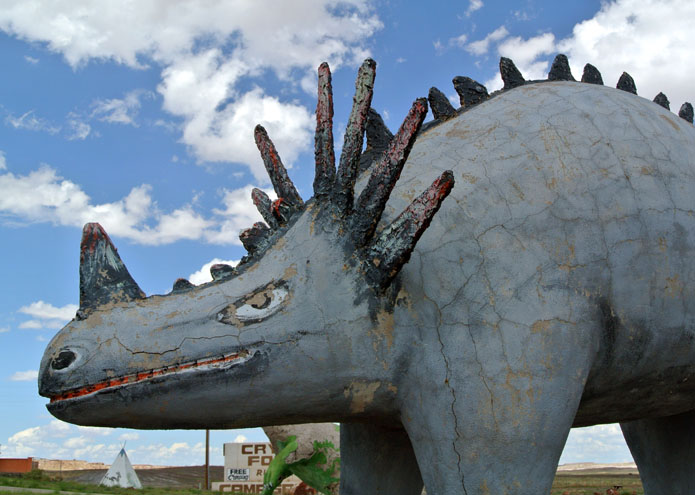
x=281, y=338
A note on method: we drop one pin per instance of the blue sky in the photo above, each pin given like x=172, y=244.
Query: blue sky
x=139, y=115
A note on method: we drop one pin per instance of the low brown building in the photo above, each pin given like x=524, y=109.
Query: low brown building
x=9, y=465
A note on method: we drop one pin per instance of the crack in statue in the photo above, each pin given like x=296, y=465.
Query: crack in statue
x=457, y=339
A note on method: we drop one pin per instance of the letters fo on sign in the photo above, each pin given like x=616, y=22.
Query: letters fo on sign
x=247, y=462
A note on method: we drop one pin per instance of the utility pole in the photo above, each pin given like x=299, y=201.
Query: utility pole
x=207, y=459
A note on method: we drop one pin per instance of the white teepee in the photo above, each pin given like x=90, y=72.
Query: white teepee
x=121, y=473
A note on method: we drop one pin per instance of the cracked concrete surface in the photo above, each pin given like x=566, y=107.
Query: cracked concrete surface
x=554, y=288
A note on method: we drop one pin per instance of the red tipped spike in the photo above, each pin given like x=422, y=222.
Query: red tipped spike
x=392, y=248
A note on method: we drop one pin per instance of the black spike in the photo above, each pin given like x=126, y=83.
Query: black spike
x=103, y=276
x=510, y=74
x=470, y=91
x=384, y=175
x=354, y=137
x=323, y=138
x=626, y=83
x=661, y=99
x=220, y=271
x=560, y=70
x=254, y=238
x=686, y=112
x=591, y=75
x=181, y=285
x=439, y=103
x=378, y=138
x=264, y=206
x=394, y=245
x=282, y=184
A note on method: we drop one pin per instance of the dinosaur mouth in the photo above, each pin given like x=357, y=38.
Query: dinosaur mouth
x=220, y=362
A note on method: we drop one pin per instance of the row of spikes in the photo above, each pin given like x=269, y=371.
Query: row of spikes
x=104, y=278
x=336, y=187
x=471, y=92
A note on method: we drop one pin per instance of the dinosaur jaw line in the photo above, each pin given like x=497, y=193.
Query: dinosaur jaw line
x=220, y=362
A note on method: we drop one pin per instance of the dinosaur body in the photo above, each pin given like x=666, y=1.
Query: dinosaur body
x=552, y=289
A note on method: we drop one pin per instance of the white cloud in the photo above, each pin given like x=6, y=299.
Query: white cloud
x=473, y=5
x=44, y=196
x=4, y=329
x=600, y=443
x=78, y=130
x=45, y=310
x=30, y=122
x=204, y=53
x=25, y=376
x=481, y=47
x=3, y=164
x=46, y=315
x=240, y=439
x=31, y=60
x=203, y=275
x=652, y=40
x=129, y=436
x=459, y=41
x=120, y=110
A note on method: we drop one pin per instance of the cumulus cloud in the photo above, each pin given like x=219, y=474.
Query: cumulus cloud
x=46, y=315
x=44, y=196
x=59, y=440
x=31, y=60
x=3, y=164
x=600, y=443
x=204, y=53
x=240, y=439
x=25, y=376
x=651, y=40
x=4, y=329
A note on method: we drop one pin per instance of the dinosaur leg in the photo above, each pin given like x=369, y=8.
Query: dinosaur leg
x=377, y=460
x=496, y=420
x=664, y=450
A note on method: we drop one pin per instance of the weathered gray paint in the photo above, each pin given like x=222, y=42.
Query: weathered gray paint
x=553, y=288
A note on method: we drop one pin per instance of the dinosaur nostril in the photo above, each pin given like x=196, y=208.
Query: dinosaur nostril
x=63, y=360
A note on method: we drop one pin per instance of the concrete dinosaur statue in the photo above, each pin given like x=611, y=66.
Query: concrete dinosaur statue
x=553, y=288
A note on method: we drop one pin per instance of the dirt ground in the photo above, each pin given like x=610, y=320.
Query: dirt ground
x=172, y=477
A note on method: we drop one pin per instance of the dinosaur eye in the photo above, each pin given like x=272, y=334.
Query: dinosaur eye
x=257, y=306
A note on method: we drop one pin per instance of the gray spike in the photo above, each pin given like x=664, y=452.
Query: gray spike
x=560, y=70
x=686, y=112
x=354, y=137
x=510, y=74
x=181, y=285
x=103, y=276
x=324, y=154
x=282, y=183
x=385, y=173
x=220, y=271
x=592, y=75
x=661, y=99
x=470, y=91
x=439, y=103
x=626, y=83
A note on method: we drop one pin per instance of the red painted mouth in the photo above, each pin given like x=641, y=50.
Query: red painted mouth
x=216, y=362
